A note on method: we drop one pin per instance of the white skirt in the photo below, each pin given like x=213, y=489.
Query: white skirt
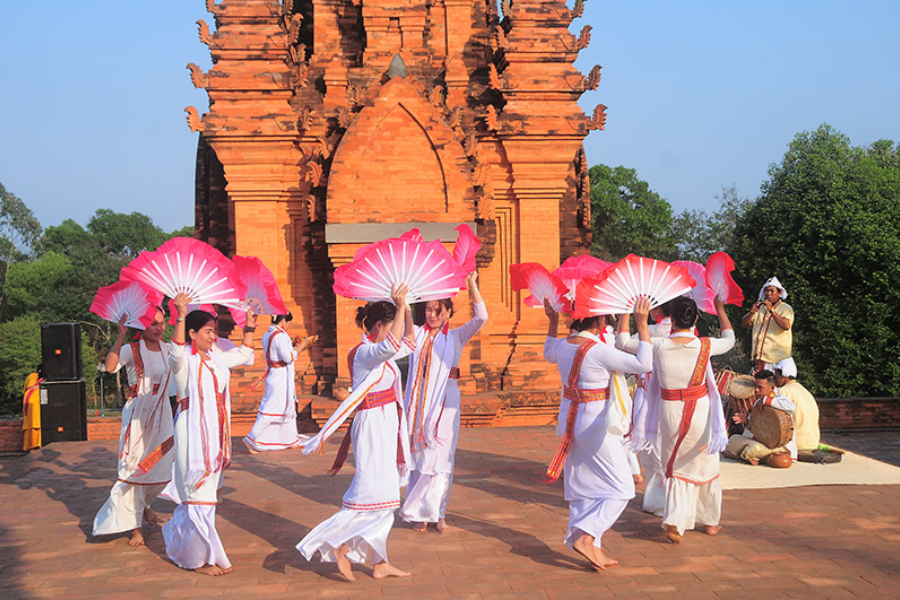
x=655, y=489
x=273, y=433
x=124, y=509
x=593, y=517
x=361, y=531
x=191, y=537
x=427, y=497
x=688, y=504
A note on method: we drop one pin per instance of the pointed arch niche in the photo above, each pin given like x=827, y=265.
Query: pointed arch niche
x=399, y=162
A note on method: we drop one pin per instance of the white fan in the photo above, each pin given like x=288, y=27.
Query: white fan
x=616, y=289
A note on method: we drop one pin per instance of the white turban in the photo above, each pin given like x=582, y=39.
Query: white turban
x=787, y=367
x=774, y=283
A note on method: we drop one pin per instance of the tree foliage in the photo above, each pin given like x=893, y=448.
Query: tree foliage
x=19, y=231
x=828, y=225
x=56, y=280
x=698, y=234
x=627, y=216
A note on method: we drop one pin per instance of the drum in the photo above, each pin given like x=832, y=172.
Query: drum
x=771, y=427
x=737, y=396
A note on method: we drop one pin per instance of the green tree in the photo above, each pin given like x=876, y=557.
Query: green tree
x=20, y=354
x=627, y=216
x=19, y=231
x=698, y=234
x=828, y=225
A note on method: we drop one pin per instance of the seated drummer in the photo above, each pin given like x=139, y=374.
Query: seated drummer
x=806, y=416
x=743, y=445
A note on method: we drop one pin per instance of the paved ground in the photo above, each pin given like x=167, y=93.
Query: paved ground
x=822, y=542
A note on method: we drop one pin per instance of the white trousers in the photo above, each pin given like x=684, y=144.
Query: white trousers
x=362, y=531
x=191, y=537
x=427, y=497
x=688, y=505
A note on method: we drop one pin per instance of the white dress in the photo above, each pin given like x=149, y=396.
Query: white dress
x=202, y=453
x=654, y=501
x=597, y=476
x=145, y=441
x=432, y=404
x=276, y=421
x=693, y=489
x=378, y=430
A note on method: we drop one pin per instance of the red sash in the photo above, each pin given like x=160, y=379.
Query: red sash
x=372, y=400
x=270, y=364
x=695, y=390
x=576, y=397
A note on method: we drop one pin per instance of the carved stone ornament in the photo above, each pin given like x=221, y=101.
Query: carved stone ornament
x=203, y=30
x=313, y=173
x=193, y=119
x=304, y=121
x=593, y=78
x=344, y=117
x=211, y=7
x=198, y=78
x=300, y=76
x=494, y=78
x=437, y=97
x=470, y=144
x=490, y=118
x=584, y=38
x=598, y=120
x=578, y=9
x=500, y=37
x=454, y=118
x=294, y=28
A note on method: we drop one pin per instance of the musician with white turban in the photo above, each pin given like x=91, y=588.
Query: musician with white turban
x=806, y=415
x=771, y=318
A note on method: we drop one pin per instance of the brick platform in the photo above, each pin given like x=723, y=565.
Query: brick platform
x=823, y=542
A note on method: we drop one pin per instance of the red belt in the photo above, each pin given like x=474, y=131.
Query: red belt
x=692, y=393
x=576, y=397
x=454, y=372
x=184, y=403
x=133, y=390
x=372, y=400
x=276, y=364
x=376, y=399
x=579, y=395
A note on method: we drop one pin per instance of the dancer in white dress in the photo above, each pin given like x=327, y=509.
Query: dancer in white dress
x=202, y=437
x=146, y=438
x=276, y=420
x=598, y=481
x=685, y=410
x=380, y=445
x=432, y=405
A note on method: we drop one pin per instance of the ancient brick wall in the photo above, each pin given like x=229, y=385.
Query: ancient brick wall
x=334, y=123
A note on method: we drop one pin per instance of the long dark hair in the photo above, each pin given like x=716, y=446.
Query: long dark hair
x=586, y=323
x=684, y=312
x=375, y=312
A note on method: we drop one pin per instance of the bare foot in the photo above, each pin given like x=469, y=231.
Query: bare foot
x=713, y=529
x=442, y=526
x=343, y=564
x=603, y=559
x=150, y=517
x=673, y=535
x=249, y=447
x=383, y=569
x=584, y=546
x=420, y=527
x=137, y=538
x=214, y=570
x=753, y=461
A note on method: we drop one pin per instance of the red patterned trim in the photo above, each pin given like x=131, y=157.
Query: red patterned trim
x=372, y=507
x=154, y=457
x=691, y=393
x=376, y=399
x=580, y=395
x=198, y=503
x=291, y=445
x=693, y=482
x=454, y=372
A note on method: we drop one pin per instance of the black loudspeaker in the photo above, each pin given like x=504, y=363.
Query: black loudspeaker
x=63, y=411
x=61, y=351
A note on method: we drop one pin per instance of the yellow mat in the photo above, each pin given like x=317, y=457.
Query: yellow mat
x=854, y=469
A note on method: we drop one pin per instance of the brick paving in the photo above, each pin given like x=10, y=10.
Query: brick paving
x=823, y=542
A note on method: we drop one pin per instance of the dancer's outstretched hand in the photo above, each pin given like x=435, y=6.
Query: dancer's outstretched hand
x=398, y=295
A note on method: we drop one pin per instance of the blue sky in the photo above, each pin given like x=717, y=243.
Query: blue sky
x=701, y=95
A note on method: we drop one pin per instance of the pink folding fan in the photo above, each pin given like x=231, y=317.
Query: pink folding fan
x=616, y=289
x=576, y=268
x=413, y=235
x=701, y=293
x=718, y=278
x=128, y=298
x=262, y=295
x=466, y=247
x=541, y=283
x=186, y=265
x=426, y=267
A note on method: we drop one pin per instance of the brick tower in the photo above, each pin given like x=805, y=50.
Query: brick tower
x=335, y=123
